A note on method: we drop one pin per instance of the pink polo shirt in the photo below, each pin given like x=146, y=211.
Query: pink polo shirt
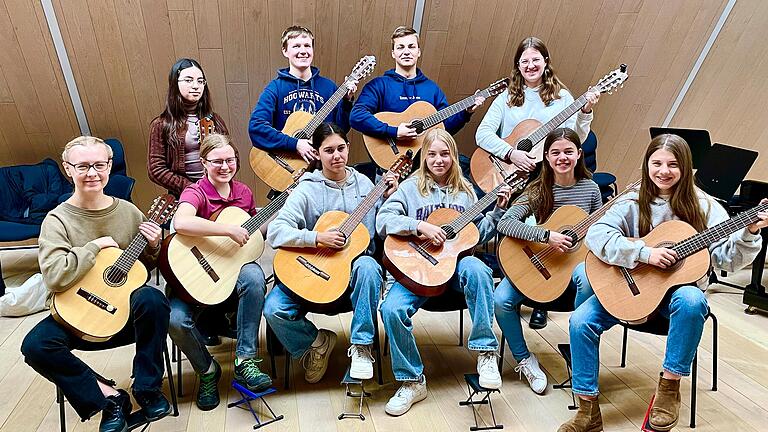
x=207, y=201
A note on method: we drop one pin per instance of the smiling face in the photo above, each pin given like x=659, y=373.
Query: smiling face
x=531, y=65
x=216, y=167
x=663, y=170
x=299, y=51
x=90, y=181
x=406, y=51
x=562, y=156
x=334, y=152
x=438, y=160
x=191, y=84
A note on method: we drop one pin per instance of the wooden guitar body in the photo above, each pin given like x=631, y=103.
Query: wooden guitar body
x=484, y=171
x=381, y=150
x=275, y=168
x=633, y=303
x=422, y=267
x=96, y=309
x=204, y=270
x=543, y=278
x=321, y=275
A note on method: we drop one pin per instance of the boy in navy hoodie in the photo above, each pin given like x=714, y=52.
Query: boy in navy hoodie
x=398, y=88
x=298, y=87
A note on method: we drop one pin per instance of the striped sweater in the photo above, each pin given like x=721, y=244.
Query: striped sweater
x=584, y=194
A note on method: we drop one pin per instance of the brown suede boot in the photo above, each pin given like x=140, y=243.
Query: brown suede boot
x=666, y=405
x=587, y=418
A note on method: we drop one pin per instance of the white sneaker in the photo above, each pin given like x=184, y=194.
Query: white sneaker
x=315, y=359
x=407, y=395
x=488, y=369
x=537, y=379
x=362, y=362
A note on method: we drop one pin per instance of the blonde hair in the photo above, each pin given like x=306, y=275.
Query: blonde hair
x=455, y=181
x=85, y=140
x=214, y=141
x=403, y=31
x=295, y=31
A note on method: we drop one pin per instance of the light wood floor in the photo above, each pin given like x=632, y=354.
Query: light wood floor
x=741, y=403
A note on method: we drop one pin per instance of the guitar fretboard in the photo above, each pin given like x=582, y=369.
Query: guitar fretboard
x=351, y=222
x=321, y=114
x=263, y=215
x=704, y=239
x=427, y=122
x=542, y=131
x=129, y=256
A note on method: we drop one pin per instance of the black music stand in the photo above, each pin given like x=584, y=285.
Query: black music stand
x=698, y=140
x=723, y=169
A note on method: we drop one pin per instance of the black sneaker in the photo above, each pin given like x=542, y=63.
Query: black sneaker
x=538, y=319
x=208, y=392
x=113, y=416
x=248, y=374
x=153, y=404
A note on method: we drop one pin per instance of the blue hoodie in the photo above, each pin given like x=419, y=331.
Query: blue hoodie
x=283, y=96
x=393, y=92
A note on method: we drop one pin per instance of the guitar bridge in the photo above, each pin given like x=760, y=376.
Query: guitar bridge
x=424, y=253
x=311, y=267
x=96, y=301
x=537, y=263
x=205, y=264
x=631, y=284
x=280, y=161
x=393, y=145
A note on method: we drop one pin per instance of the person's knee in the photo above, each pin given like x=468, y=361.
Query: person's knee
x=149, y=301
x=251, y=281
x=392, y=313
x=36, y=347
x=473, y=265
x=692, y=301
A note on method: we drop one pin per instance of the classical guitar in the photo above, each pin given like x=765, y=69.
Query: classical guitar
x=426, y=269
x=633, y=294
x=541, y=272
x=421, y=116
x=97, y=306
x=206, y=127
x=320, y=275
x=276, y=167
x=204, y=269
x=529, y=134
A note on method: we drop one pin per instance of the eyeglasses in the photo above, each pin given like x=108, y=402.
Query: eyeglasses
x=83, y=168
x=189, y=81
x=535, y=61
x=218, y=163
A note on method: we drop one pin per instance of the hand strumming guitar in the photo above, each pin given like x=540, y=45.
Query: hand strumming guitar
x=238, y=234
x=662, y=257
x=406, y=131
x=522, y=160
x=105, y=242
x=306, y=151
x=331, y=239
x=431, y=232
x=559, y=241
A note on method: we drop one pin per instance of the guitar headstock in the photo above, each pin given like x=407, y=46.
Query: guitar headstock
x=363, y=68
x=206, y=126
x=497, y=87
x=162, y=209
x=613, y=80
x=517, y=180
x=403, y=164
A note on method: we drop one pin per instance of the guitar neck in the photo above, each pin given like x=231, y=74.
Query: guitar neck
x=266, y=213
x=539, y=134
x=129, y=256
x=351, y=222
x=704, y=239
x=324, y=111
x=449, y=111
x=582, y=227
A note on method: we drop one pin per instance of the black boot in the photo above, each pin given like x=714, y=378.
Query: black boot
x=153, y=403
x=113, y=416
x=538, y=319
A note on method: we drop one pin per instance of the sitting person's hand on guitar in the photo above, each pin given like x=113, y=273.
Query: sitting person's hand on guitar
x=433, y=233
x=662, y=257
x=331, y=239
x=762, y=223
x=559, y=241
x=392, y=181
x=238, y=234
x=151, y=231
x=305, y=150
x=503, y=197
x=105, y=242
x=404, y=130
x=522, y=160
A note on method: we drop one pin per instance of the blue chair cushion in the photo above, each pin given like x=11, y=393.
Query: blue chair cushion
x=29, y=192
x=604, y=179
x=14, y=231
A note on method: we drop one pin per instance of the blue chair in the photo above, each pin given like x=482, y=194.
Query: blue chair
x=606, y=181
x=118, y=156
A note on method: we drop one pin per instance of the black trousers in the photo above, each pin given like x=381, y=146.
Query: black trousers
x=48, y=350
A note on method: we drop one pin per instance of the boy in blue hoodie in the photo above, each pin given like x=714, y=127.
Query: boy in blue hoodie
x=398, y=88
x=299, y=87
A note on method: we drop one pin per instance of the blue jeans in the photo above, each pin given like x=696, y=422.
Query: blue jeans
x=508, y=299
x=288, y=318
x=251, y=289
x=47, y=348
x=686, y=309
x=475, y=280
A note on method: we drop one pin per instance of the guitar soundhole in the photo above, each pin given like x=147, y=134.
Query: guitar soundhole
x=525, y=145
x=114, y=277
x=418, y=125
x=450, y=235
x=674, y=267
x=574, y=238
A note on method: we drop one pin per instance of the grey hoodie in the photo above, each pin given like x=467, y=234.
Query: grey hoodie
x=607, y=238
x=313, y=196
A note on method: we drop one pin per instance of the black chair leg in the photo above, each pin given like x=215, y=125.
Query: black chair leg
x=694, y=376
x=714, y=350
x=62, y=414
x=501, y=353
x=624, y=348
x=386, y=345
x=179, y=380
x=287, y=381
x=171, y=385
x=461, y=327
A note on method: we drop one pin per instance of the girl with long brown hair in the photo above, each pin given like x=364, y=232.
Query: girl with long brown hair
x=666, y=193
x=564, y=180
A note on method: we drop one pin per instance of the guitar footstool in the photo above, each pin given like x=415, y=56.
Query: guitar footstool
x=349, y=394
x=245, y=403
x=474, y=388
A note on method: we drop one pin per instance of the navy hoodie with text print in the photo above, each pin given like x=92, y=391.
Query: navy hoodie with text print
x=285, y=95
x=394, y=93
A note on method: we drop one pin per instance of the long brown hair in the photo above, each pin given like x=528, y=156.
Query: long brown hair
x=174, y=117
x=550, y=84
x=684, y=200
x=455, y=181
x=540, y=196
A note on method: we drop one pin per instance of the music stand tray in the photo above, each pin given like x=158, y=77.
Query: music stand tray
x=723, y=170
x=698, y=140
